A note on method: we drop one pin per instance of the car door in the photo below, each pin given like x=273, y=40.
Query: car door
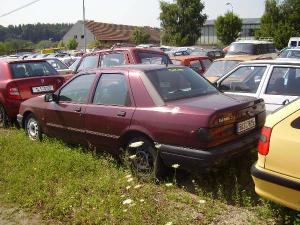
x=284, y=152
x=110, y=112
x=65, y=118
x=281, y=86
x=244, y=80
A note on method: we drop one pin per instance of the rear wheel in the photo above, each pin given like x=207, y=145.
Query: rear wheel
x=4, y=122
x=32, y=128
x=145, y=159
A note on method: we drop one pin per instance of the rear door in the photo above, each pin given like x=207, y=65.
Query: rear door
x=281, y=86
x=34, y=78
x=111, y=111
x=284, y=153
x=65, y=118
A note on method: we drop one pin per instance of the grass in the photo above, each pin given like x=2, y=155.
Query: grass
x=70, y=185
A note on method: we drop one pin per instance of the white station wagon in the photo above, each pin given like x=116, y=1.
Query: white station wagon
x=277, y=82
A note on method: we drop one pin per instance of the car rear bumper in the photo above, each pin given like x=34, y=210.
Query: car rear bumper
x=276, y=188
x=195, y=159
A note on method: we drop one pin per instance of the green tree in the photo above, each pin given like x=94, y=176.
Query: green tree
x=228, y=27
x=182, y=21
x=72, y=44
x=140, y=36
x=95, y=44
x=280, y=21
x=61, y=44
x=3, y=49
x=45, y=44
x=13, y=45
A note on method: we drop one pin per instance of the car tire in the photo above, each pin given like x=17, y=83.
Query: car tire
x=146, y=161
x=4, y=121
x=33, y=128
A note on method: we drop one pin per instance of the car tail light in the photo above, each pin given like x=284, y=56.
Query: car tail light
x=264, y=141
x=13, y=92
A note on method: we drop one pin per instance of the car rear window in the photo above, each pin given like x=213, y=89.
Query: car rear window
x=218, y=68
x=57, y=64
x=179, y=83
x=32, y=69
x=241, y=48
x=153, y=58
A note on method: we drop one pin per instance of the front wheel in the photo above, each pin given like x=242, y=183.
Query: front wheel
x=32, y=128
x=145, y=159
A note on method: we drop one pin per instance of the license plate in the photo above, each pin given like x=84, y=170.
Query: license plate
x=246, y=125
x=42, y=89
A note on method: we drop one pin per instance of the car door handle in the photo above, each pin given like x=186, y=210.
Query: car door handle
x=285, y=102
x=77, y=109
x=121, y=114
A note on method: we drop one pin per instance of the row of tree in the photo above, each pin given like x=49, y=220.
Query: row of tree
x=182, y=20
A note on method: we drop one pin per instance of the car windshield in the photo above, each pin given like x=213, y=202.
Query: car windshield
x=58, y=65
x=179, y=83
x=241, y=48
x=32, y=69
x=218, y=68
x=75, y=64
x=290, y=54
x=153, y=58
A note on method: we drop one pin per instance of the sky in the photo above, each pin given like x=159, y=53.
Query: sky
x=130, y=12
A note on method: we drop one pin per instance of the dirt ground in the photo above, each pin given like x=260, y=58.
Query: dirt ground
x=15, y=216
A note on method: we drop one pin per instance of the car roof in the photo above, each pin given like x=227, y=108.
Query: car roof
x=18, y=60
x=125, y=49
x=286, y=61
x=189, y=57
x=238, y=58
x=253, y=42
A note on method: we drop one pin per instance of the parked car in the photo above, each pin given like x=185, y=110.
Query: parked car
x=219, y=67
x=292, y=53
x=211, y=53
x=276, y=81
x=294, y=42
x=61, y=68
x=276, y=174
x=263, y=49
x=121, y=56
x=21, y=80
x=198, y=63
x=171, y=108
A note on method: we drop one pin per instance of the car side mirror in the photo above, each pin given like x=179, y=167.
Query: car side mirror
x=51, y=97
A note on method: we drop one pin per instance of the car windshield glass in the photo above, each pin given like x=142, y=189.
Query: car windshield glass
x=218, y=68
x=290, y=54
x=32, y=69
x=75, y=64
x=153, y=58
x=179, y=83
x=57, y=64
x=241, y=48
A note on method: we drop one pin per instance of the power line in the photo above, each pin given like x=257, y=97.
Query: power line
x=17, y=9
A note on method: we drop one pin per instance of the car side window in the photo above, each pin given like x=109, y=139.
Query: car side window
x=112, y=89
x=206, y=63
x=245, y=79
x=78, y=89
x=88, y=62
x=284, y=81
x=113, y=59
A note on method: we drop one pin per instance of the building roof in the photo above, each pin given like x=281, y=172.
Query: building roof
x=118, y=32
x=244, y=21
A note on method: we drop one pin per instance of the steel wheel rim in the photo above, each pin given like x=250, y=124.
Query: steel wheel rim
x=143, y=161
x=32, y=129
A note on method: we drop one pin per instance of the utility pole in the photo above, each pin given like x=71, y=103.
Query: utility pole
x=84, y=33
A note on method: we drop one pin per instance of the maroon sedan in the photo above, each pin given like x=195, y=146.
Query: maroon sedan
x=21, y=80
x=163, y=115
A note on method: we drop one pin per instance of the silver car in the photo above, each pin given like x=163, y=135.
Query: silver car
x=276, y=81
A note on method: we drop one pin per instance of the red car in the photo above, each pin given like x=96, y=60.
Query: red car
x=161, y=114
x=21, y=80
x=198, y=63
x=122, y=56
